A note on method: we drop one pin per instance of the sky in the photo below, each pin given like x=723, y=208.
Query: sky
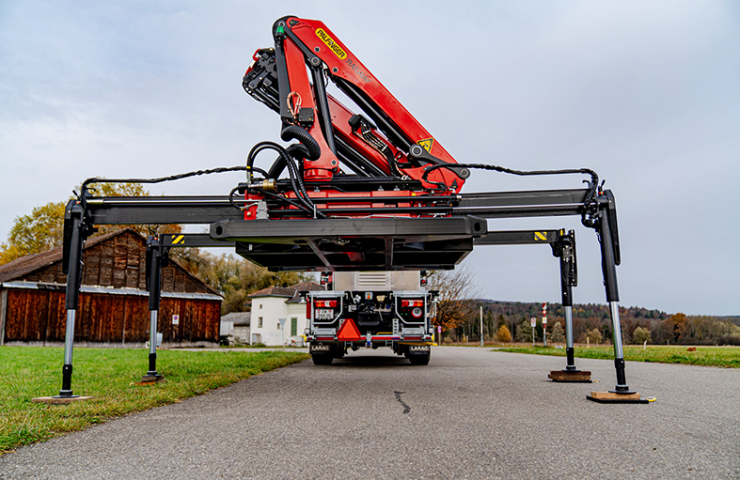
x=647, y=94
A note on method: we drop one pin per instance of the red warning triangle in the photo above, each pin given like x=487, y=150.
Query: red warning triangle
x=348, y=332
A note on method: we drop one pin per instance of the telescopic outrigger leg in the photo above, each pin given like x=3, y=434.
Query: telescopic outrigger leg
x=565, y=248
x=156, y=257
x=75, y=232
x=609, y=258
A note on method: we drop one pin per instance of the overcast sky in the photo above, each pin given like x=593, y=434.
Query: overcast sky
x=645, y=93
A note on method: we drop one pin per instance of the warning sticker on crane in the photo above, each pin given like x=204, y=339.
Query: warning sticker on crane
x=426, y=144
x=540, y=236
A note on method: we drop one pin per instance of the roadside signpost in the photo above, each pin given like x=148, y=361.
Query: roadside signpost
x=534, y=324
x=282, y=328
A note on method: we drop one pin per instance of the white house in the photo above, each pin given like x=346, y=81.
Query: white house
x=235, y=327
x=278, y=317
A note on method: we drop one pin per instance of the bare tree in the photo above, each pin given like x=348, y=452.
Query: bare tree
x=456, y=289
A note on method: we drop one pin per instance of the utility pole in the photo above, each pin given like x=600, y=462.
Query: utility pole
x=481, y=326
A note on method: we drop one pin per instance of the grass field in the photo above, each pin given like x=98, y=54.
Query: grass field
x=728, y=357
x=109, y=375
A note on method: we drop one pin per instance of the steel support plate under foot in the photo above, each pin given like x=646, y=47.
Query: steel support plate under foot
x=616, y=397
x=59, y=400
x=570, y=376
x=146, y=379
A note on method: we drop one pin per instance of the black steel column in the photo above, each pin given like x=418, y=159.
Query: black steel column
x=154, y=269
x=567, y=281
x=609, y=269
x=72, y=297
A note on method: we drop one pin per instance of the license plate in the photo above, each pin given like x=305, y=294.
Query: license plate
x=319, y=348
x=324, y=314
x=419, y=348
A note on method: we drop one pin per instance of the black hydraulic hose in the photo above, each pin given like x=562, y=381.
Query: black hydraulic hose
x=296, y=150
x=593, y=186
x=296, y=180
x=593, y=183
x=294, y=132
x=161, y=179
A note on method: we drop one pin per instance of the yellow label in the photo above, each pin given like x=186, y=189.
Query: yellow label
x=338, y=51
x=427, y=144
x=540, y=236
x=178, y=239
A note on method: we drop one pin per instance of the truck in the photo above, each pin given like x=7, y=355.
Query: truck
x=371, y=310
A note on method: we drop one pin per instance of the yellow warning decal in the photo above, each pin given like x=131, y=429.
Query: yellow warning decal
x=426, y=144
x=540, y=236
x=338, y=51
x=178, y=239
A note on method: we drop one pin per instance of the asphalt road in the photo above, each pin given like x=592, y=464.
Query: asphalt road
x=471, y=413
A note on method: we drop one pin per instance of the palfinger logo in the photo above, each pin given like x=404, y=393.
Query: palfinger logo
x=338, y=51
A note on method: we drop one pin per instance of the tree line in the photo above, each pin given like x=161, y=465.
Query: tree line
x=592, y=323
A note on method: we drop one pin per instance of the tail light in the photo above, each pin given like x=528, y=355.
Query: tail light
x=326, y=309
x=412, y=303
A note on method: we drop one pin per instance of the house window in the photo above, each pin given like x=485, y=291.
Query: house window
x=259, y=322
x=294, y=326
x=278, y=326
x=260, y=306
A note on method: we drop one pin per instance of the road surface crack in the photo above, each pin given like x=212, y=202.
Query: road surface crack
x=406, y=408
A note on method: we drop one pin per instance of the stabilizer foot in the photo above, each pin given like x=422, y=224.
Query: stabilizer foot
x=616, y=397
x=570, y=376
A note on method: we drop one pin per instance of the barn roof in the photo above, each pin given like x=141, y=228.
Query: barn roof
x=30, y=263
x=23, y=266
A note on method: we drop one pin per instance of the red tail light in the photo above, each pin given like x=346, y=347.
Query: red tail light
x=308, y=310
x=412, y=303
x=325, y=303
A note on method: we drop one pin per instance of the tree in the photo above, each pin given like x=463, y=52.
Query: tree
x=641, y=335
x=594, y=335
x=236, y=278
x=455, y=291
x=42, y=229
x=678, y=326
x=524, y=332
x=557, y=335
x=35, y=233
x=503, y=334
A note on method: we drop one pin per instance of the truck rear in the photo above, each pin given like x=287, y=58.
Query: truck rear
x=371, y=310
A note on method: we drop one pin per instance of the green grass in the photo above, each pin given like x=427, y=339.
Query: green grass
x=109, y=375
x=728, y=357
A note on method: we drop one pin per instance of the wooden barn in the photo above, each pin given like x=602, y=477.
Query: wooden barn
x=114, y=303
